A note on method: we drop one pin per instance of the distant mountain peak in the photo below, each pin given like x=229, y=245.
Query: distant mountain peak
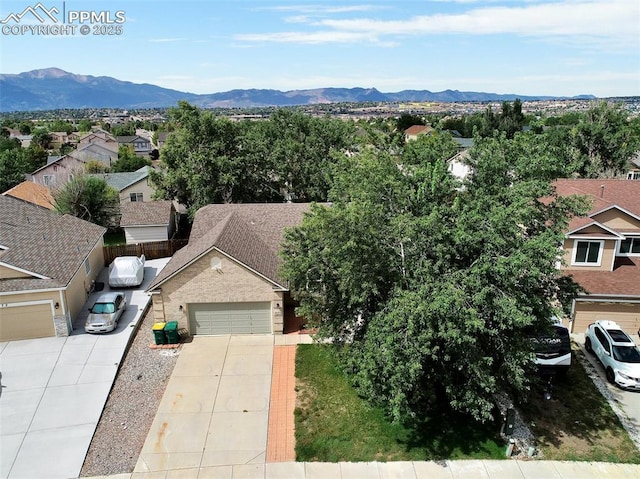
x=53, y=88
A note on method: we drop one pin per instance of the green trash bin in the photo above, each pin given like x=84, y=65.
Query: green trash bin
x=158, y=333
x=171, y=332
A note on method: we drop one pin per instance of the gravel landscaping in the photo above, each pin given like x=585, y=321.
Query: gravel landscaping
x=131, y=405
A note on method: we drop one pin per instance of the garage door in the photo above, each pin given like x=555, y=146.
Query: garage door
x=230, y=318
x=26, y=322
x=627, y=315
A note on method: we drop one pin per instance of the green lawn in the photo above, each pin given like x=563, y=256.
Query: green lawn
x=578, y=424
x=334, y=424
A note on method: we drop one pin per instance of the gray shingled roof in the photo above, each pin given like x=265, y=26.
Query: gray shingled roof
x=120, y=181
x=43, y=242
x=150, y=213
x=249, y=233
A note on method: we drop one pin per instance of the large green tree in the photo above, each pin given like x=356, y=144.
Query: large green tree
x=128, y=161
x=13, y=166
x=89, y=198
x=433, y=291
x=208, y=159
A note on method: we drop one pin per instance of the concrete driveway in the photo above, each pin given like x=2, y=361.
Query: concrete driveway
x=53, y=391
x=628, y=402
x=214, y=413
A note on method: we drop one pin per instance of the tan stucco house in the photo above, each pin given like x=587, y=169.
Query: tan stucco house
x=47, y=264
x=602, y=252
x=226, y=279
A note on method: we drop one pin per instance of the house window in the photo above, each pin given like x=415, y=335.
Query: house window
x=587, y=253
x=87, y=266
x=48, y=180
x=630, y=246
x=135, y=196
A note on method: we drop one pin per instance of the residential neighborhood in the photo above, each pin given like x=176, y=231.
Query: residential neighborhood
x=408, y=249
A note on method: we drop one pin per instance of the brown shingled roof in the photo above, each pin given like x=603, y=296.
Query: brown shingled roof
x=44, y=243
x=622, y=281
x=249, y=233
x=33, y=193
x=147, y=213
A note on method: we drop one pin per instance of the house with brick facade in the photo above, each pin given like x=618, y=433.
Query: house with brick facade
x=602, y=252
x=226, y=279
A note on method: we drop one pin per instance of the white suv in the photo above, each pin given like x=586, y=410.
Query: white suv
x=616, y=351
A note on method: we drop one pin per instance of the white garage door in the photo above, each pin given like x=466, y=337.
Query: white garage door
x=627, y=315
x=26, y=322
x=230, y=318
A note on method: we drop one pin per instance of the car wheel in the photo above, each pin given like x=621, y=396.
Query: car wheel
x=611, y=377
x=587, y=345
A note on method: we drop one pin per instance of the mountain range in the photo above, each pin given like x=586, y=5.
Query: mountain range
x=53, y=88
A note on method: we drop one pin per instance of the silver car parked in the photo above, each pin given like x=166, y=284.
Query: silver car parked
x=105, y=313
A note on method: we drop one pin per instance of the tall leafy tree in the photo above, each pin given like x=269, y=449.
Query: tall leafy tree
x=128, y=161
x=90, y=199
x=13, y=166
x=432, y=291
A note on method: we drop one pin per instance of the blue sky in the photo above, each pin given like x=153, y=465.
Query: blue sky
x=526, y=47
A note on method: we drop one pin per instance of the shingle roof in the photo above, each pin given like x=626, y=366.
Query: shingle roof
x=149, y=213
x=250, y=233
x=622, y=281
x=43, y=242
x=33, y=193
x=120, y=181
x=417, y=129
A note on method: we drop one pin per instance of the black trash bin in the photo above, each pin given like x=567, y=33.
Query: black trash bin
x=171, y=332
x=158, y=333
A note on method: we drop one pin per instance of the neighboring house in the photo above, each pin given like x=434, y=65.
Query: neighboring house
x=33, y=193
x=413, y=132
x=47, y=264
x=141, y=146
x=59, y=138
x=147, y=222
x=95, y=151
x=226, y=279
x=58, y=172
x=602, y=252
x=99, y=137
x=458, y=165
x=132, y=186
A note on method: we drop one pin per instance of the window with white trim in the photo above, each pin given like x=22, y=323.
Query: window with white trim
x=135, y=196
x=87, y=266
x=587, y=252
x=48, y=180
x=629, y=246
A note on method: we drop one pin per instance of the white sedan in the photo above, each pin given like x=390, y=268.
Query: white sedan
x=105, y=313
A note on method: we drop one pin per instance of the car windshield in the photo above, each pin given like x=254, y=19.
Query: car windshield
x=103, y=308
x=626, y=354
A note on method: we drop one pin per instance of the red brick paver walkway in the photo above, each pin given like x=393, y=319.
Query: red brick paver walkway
x=281, y=435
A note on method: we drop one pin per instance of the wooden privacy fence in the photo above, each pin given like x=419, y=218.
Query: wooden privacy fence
x=153, y=250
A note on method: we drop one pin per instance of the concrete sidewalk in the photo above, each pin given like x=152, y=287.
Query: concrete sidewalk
x=54, y=390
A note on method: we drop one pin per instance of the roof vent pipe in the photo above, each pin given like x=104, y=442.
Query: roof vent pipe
x=601, y=191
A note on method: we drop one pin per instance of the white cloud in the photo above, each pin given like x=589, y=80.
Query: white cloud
x=611, y=23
